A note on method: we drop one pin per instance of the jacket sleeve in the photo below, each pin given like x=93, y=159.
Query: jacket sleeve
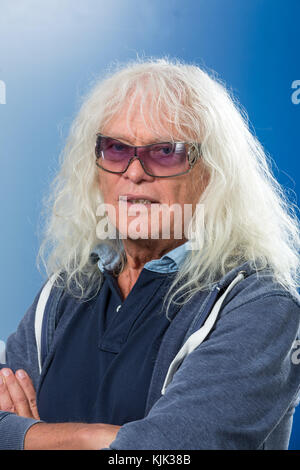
x=233, y=389
x=20, y=353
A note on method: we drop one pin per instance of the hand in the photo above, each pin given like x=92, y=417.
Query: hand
x=17, y=393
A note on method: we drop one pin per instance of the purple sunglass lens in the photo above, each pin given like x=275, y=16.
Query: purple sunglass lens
x=114, y=150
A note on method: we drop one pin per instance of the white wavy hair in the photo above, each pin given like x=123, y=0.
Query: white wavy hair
x=248, y=216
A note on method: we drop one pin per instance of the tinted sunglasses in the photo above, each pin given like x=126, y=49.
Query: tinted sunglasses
x=162, y=160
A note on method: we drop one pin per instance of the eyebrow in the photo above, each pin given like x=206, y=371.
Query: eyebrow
x=152, y=141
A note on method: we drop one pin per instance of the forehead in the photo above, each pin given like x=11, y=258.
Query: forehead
x=136, y=124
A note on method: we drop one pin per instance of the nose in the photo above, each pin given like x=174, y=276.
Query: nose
x=136, y=173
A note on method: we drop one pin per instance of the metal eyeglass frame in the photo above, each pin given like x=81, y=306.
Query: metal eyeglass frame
x=136, y=157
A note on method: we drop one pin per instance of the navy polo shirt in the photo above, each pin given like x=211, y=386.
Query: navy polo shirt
x=102, y=366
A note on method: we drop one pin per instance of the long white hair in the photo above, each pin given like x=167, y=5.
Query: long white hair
x=248, y=216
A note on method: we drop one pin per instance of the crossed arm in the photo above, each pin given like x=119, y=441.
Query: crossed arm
x=17, y=395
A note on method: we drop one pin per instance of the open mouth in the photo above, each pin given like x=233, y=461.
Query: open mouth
x=137, y=200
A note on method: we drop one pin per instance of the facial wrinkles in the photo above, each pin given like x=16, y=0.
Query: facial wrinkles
x=180, y=189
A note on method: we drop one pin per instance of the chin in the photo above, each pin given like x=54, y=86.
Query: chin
x=135, y=230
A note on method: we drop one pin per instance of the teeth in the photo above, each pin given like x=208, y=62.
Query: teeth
x=140, y=201
x=134, y=201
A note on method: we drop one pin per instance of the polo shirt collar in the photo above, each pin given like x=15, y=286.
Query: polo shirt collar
x=109, y=258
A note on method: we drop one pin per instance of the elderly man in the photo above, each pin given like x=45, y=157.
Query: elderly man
x=142, y=340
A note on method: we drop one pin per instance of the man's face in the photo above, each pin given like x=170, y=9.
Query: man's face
x=161, y=193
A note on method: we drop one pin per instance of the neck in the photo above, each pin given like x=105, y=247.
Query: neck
x=138, y=253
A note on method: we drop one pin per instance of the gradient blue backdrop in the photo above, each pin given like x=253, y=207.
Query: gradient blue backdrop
x=51, y=51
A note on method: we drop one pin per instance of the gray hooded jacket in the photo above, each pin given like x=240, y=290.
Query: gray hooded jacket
x=227, y=373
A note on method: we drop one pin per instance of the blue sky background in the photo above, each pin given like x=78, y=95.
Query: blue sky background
x=51, y=52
